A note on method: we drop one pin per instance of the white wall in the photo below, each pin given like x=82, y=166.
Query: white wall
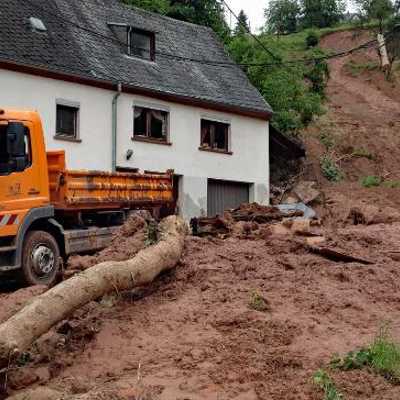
x=249, y=137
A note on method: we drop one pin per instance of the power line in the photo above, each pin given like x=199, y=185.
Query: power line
x=249, y=31
x=289, y=63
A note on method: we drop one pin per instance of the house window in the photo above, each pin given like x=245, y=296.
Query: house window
x=141, y=44
x=150, y=124
x=214, y=135
x=67, y=122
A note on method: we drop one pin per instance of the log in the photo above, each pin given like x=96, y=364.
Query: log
x=21, y=330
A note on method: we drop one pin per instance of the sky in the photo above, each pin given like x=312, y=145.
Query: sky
x=254, y=10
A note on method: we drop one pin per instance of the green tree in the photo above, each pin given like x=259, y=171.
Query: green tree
x=282, y=16
x=158, y=6
x=242, y=26
x=376, y=9
x=322, y=13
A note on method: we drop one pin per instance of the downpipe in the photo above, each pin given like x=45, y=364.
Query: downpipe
x=114, y=128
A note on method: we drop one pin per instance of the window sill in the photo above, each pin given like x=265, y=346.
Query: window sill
x=149, y=140
x=229, y=153
x=67, y=138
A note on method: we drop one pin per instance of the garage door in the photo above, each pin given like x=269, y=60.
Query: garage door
x=223, y=195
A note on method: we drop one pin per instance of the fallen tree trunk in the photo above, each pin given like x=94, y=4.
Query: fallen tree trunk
x=46, y=310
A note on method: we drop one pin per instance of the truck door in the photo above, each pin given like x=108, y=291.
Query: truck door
x=19, y=176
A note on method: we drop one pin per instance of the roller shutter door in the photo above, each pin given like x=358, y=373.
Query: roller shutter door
x=224, y=195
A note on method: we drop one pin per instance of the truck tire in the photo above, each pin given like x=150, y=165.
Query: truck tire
x=41, y=263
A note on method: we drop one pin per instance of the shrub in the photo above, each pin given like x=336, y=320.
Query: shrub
x=382, y=356
x=371, y=181
x=330, y=169
x=312, y=39
x=257, y=302
x=324, y=382
x=362, y=152
x=391, y=184
x=327, y=140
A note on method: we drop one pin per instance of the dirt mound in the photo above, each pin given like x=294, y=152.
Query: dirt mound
x=128, y=240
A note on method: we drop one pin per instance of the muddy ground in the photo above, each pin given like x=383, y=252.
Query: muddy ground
x=195, y=333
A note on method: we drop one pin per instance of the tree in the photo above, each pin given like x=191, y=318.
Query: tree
x=282, y=16
x=242, y=26
x=322, y=13
x=203, y=12
x=376, y=9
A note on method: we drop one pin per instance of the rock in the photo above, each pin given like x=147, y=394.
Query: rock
x=306, y=191
x=301, y=226
x=40, y=393
x=316, y=240
x=22, y=378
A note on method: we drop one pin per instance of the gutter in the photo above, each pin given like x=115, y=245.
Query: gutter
x=114, y=128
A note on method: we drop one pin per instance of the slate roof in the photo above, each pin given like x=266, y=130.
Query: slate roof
x=69, y=49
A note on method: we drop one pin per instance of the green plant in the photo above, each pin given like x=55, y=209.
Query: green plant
x=312, y=39
x=324, y=382
x=371, y=181
x=356, y=69
x=330, y=169
x=362, y=152
x=382, y=356
x=257, y=302
x=151, y=233
x=327, y=139
x=391, y=184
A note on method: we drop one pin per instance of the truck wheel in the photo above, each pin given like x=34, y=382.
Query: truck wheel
x=40, y=259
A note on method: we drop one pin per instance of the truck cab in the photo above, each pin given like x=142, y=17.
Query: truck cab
x=24, y=196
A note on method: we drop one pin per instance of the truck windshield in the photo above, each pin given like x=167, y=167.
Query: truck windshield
x=4, y=156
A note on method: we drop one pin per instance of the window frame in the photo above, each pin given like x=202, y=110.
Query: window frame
x=213, y=148
x=130, y=32
x=77, y=110
x=147, y=136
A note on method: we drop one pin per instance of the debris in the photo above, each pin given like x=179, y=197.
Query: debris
x=306, y=191
x=289, y=209
x=209, y=226
x=336, y=255
x=57, y=303
x=261, y=214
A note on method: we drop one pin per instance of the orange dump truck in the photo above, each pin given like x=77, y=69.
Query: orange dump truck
x=48, y=212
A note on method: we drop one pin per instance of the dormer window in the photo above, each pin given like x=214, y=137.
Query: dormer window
x=141, y=44
x=135, y=42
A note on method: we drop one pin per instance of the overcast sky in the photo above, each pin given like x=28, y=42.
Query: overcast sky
x=254, y=10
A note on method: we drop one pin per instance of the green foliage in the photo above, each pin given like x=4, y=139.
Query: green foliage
x=371, y=181
x=380, y=10
x=205, y=12
x=327, y=140
x=330, y=169
x=282, y=16
x=312, y=39
x=391, y=184
x=318, y=75
x=382, y=356
x=322, y=13
x=358, y=68
x=363, y=153
x=242, y=26
x=324, y=382
x=257, y=302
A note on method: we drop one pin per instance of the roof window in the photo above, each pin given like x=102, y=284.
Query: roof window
x=37, y=24
x=135, y=42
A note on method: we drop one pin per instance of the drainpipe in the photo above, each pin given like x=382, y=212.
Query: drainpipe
x=114, y=128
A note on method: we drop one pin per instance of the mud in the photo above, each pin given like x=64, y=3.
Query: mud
x=128, y=241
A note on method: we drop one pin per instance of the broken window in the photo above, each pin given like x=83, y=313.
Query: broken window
x=150, y=123
x=141, y=44
x=214, y=135
x=67, y=122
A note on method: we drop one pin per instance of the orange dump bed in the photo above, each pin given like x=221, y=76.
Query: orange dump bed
x=87, y=190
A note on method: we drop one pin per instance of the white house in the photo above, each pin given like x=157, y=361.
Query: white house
x=121, y=88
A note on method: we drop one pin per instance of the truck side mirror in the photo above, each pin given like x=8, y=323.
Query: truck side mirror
x=16, y=145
